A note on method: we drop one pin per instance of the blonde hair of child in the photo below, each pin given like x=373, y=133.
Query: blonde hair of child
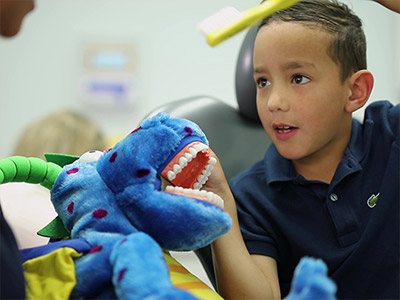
x=65, y=132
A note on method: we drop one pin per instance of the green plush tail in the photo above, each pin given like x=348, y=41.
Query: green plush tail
x=28, y=169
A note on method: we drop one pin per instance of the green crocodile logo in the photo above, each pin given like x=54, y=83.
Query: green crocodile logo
x=371, y=202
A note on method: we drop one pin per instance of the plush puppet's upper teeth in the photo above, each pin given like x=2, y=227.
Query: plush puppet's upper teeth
x=171, y=175
x=184, y=161
x=204, y=194
x=193, y=152
x=177, y=169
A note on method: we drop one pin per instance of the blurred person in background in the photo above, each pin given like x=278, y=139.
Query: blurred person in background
x=64, y=131
x=27, y=207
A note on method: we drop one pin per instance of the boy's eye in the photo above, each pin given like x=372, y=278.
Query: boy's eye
x=300, y=79
x=262, y=82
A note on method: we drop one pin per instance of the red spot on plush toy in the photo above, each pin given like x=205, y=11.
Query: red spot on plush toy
x=123, y=241
x=70, y=207
x=99, y=213
x=142, y=173
x=121, y=274
x=188, y=130
x=136, y=130
x=72, y=171
x=96, y=249
x=113, y=157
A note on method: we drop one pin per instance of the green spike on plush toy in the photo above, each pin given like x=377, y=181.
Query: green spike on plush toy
x=61, y=159
x=55, y=229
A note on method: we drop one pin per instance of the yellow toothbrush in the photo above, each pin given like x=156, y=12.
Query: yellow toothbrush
x=230, y=21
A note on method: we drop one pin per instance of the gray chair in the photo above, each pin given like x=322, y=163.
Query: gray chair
x=235, y=134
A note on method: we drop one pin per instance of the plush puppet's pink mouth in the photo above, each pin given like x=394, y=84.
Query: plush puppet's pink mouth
x=189, y=170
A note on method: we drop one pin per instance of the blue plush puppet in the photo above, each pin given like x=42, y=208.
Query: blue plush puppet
x=132, y=201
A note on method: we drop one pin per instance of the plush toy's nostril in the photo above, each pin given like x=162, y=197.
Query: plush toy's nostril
x=71, y=207
x=188, y=130
x=121, y=274
x=72, y=171
x=136, y=130
x=96, y=249
x=100, y=213
x=142, y=172
x=113, y=157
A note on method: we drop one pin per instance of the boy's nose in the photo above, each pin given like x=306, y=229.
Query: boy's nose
x=277, y=100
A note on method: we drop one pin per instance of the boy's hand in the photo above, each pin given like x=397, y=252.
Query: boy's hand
x=217, y=182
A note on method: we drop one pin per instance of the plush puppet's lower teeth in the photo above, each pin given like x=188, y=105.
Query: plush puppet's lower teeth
x=214, y=198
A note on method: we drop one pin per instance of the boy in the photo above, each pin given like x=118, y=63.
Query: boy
x=328, y=186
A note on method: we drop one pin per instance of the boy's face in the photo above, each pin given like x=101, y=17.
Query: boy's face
x=300, y=96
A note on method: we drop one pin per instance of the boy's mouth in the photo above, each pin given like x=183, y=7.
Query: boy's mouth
x=188, y=171
x=284, y=131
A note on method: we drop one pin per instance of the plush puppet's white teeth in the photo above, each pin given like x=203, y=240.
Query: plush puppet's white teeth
x=197, y=186
x=200, y=147
x=193, y=152
x=188, y=156
x=177, y=168
x=202, y=179
x=206, y=172
x=183, y=161
x=204, y=194
x=171, y=175
x=212, y=162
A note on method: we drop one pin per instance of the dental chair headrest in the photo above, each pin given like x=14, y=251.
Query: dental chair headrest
x=244, y=82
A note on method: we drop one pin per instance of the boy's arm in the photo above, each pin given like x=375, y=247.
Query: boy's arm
x=239, y=274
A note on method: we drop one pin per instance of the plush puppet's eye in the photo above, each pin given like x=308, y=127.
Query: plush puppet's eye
x=90, y=156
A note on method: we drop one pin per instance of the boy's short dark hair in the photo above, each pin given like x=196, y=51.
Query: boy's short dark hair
x=348, y=48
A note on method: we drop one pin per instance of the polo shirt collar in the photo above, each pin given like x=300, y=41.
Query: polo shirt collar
x=277, y=167
x=280, y=169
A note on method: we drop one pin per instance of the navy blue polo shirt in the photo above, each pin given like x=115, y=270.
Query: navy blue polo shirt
x=351, y=223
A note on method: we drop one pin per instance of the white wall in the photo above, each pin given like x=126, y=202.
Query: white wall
x=382, y=29
x=41, y=67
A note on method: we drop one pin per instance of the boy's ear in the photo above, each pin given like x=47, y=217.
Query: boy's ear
x=361, y=84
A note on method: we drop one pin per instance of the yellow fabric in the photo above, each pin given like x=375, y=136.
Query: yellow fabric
x=182, y=278
x=51, y=276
